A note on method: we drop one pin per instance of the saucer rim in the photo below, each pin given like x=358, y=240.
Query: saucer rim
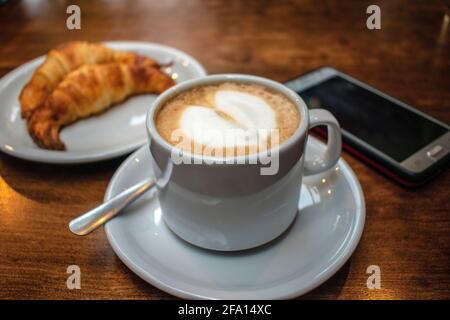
x=326, y=274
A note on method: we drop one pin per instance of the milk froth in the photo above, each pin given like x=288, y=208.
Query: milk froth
x=227, y=119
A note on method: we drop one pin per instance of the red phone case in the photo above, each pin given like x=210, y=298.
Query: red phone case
x=376, y=165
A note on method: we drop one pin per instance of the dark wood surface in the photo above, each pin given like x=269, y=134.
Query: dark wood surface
x=406, y=232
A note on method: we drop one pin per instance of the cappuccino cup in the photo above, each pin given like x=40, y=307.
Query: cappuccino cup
x=228, y=153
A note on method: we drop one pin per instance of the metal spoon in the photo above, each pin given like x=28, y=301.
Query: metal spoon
x=94, y=218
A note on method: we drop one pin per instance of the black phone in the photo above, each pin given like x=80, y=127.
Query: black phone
x=392, y=136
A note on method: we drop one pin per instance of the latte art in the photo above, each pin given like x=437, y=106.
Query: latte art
x=227, y=119
x=235, y=119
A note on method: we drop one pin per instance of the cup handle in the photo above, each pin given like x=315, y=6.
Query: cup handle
x=332, y=153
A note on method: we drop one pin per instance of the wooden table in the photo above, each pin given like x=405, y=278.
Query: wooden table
x=406, y=232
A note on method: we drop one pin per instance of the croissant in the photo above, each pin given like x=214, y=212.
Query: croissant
x=62, y=60
x=89, y=90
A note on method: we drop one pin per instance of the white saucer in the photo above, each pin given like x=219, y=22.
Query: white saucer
x=115, y=132
x=321, y=239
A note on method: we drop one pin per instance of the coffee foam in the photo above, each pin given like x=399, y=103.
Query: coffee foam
x=227, y=116
x=235, y=119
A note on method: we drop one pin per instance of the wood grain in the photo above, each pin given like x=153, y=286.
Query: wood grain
x=406, y=233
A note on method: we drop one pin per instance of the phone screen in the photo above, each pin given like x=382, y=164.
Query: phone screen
x=385, y=125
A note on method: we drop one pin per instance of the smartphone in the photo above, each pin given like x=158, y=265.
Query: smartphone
x=392, y=136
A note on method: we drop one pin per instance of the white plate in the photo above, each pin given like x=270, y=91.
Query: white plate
x=115, y=132
x=321, y=239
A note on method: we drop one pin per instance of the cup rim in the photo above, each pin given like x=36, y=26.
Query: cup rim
x=154, y=135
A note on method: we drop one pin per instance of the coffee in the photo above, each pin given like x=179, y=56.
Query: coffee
x=227, y=119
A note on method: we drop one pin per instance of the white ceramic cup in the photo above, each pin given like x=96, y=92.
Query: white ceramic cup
x=225, y=206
